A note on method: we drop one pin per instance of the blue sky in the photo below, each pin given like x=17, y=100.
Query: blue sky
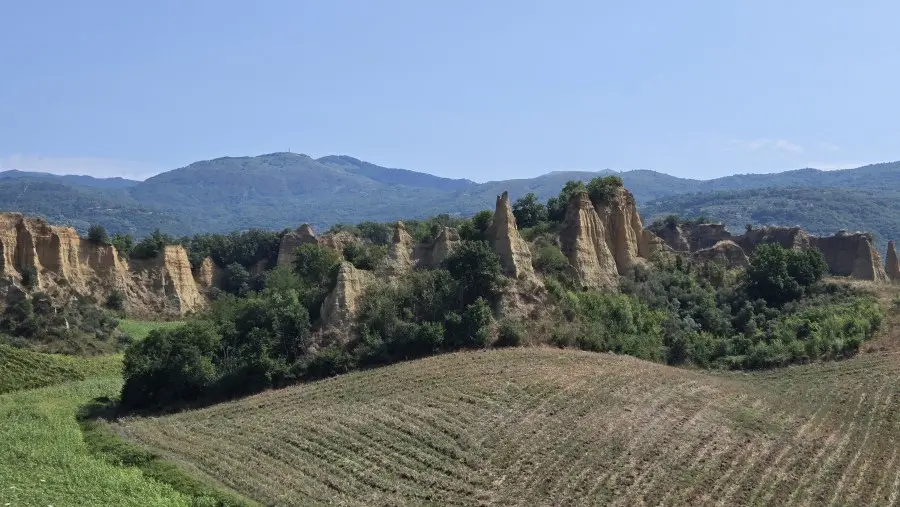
x=476, y=89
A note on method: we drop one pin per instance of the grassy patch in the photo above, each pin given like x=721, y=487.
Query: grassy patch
x=26, y=369
x=139, y=329
x=46, y=461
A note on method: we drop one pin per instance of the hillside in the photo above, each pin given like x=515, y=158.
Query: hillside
x=820, y=211
x=545, y=426
x=280, y=190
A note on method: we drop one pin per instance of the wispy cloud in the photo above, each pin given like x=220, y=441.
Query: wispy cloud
x=97, y=167
x=765, y=144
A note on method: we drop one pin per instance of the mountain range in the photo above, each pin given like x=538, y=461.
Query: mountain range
x=280, y=190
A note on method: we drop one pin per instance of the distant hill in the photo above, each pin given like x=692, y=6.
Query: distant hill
x=281, y=190
x=71, y=179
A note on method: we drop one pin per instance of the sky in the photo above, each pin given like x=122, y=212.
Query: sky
x=476, y=89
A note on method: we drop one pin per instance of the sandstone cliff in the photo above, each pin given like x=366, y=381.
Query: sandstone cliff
x=502, y=235
x=726, y=252
x=340, y=306
x=787, y=237
x=291, y=241
x=851, y=255
x=584, y=241
x=892, y=265
x=623, y=229
x=431, y=255
x=399, y=258
x=209, y=275
x=67, y=266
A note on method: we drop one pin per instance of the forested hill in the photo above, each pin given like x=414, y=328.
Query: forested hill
x=281, y=190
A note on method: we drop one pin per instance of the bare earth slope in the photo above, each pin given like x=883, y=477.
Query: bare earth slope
x=540, y=426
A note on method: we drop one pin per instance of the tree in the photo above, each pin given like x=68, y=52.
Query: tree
x=97, y=234
x=778, y=275
x=170, y=366
x=556, y=206
x=124, y=244
x=477, y=270
x=529, y=211
x=236, y=280
x=315, y=264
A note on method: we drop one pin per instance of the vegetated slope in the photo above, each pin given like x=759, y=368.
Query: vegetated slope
x=543, y=426
x=81, y=206
x=819, y=210
x=281, y=190
x=71, y=179
x=47, y=462
x=26, y=369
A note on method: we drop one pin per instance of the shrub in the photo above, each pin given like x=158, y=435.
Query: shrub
x=476, y=268
x=315, y=264
x=509, y=334
x=364, y=256
x=604, y=189
x=471, y=328
x=29, y=276
x=97, y=234
x=550, y=261
x=115, y=300
x=124, y=244
x=170, y=367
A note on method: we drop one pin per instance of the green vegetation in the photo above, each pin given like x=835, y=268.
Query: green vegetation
x=26, y=369
x=97, y=234
x=79, y=327
x=139, y=329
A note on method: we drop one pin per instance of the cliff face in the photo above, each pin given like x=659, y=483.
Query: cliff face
x=209, y=275
x=892, y=265
x=431, y=255
x=68, y=266
x=340, y=306
x=399, y=258
x=624, y=229
x=851, y=255
x=726, y=252
x=584, y=241
x=303, y=235
x=502, y=235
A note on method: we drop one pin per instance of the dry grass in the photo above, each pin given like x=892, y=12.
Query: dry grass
x=540, y=426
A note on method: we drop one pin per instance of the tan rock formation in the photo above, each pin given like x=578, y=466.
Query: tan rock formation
x=164, y=284
x=892, y=265
x=68, y=266
x=337, y=241
x=291, y=241
x=674, y=236
x=399, y=258
x=787, y=237
x=624, y=229
x=433, y=254
x=851, y=255
x=584, y=242
x=502, y=235
x=340, y=306
x=726, y=252
x=209, y=275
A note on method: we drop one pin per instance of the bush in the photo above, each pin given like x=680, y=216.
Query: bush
x=29, y=276
x=124, y=244
x=315, y=264
x=115, y=300
x=778, y=275
x=470, y=329
x=151, y=246
x=509, y=334
x=364, y=256
x=603, y=190
x=551, y=262
x=170, y=367
x=97, y=234
x=476, y=268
